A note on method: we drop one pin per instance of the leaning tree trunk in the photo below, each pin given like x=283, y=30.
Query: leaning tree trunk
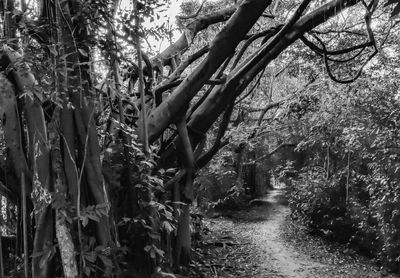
x=223, y=46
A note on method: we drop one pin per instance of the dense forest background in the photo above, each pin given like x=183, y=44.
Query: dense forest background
x=111, y=147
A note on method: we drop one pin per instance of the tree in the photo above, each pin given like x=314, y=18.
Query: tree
x=83, y=160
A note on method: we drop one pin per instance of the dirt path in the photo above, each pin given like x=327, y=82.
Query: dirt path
x=280, y=259
x=263, y=242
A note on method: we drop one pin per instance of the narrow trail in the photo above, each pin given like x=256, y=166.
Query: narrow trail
x=280, y=259
x=265, y=243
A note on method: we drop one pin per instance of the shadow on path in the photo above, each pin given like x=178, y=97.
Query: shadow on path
x=280, y=248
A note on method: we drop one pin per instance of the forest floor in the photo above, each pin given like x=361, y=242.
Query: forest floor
x=262, y=241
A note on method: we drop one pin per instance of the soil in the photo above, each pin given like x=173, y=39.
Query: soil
x=263, y=241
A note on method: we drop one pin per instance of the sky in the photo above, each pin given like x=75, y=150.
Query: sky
x=167, y=16
x=170, y=15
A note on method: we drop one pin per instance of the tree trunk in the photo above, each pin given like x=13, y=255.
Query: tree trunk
x=183, y=242
x=63, y=235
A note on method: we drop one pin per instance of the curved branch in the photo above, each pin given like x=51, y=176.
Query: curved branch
x=267, y=33
x=351, y=79
x=320, y=51
x=358, y=74
x=254, y=59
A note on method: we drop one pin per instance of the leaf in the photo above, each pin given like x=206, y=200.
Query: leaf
x=85, y=221
x=147, y=248
x=93, y=217
x=83, y=52
x=53, y=51
x=167, y=226
x=63, y=57
x=44, y=259
x=171, y=171
x=37, y=254
x=159, y=252
x=155, y=236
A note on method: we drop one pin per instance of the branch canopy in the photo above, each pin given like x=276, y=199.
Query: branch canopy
x=222, y=47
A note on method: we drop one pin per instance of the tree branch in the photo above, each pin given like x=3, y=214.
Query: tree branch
x=206, y=157
x=267, y=34
x=182, y=66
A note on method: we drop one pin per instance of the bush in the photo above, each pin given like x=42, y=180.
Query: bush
x=367, y=221
x=321, y=205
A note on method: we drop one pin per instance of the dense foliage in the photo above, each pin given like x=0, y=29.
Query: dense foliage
x=349, y=190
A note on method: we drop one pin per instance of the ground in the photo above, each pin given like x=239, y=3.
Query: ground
x=263, y=241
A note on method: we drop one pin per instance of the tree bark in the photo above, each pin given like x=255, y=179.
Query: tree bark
x=16, y=161
x=63, y=235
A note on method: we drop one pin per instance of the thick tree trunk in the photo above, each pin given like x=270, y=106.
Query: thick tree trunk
x=16, y=161
x=39, y=157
